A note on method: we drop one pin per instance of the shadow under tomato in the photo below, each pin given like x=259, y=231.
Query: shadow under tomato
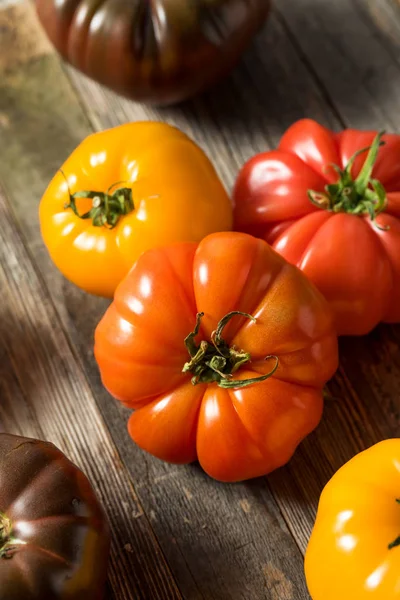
x=371, y=369
x=219, y=538
x=363, y=409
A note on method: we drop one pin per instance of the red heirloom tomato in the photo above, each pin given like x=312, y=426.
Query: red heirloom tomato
x=330, y=204
x=159, y=51
x=222, y=349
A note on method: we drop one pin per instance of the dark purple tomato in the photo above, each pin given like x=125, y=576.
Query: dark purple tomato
x=157, y=51
x=54, y=536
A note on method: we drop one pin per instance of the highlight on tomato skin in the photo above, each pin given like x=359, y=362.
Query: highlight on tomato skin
x=222, y=350
x=330, y=204
x=125, y=190
x=353, y=552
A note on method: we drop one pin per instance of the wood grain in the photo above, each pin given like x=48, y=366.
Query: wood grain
x=344, y=48
x=19, y=44
x=335, y=62
x=44, y=393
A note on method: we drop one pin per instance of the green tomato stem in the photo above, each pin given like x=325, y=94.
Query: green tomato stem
x=8, y=543
x=216, y=361
x=396, y=542
x=360, y=196
x=107, y=208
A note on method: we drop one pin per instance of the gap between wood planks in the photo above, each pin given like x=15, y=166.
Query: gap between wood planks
x=347, y=45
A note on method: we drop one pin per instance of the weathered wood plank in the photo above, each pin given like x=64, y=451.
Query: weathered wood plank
x=383, y=18
x=245, y=550
x=350, y=57
x=43, y=389
x=44, y=393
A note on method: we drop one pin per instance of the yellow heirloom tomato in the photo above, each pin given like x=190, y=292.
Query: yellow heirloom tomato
x=354, y=550
x=126, y=190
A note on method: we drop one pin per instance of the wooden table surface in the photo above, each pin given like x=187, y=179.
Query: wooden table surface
x=175, y=532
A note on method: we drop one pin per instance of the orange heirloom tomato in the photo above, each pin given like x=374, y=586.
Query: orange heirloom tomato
x=354, y=550
x=222, y=349
x=123, y=191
